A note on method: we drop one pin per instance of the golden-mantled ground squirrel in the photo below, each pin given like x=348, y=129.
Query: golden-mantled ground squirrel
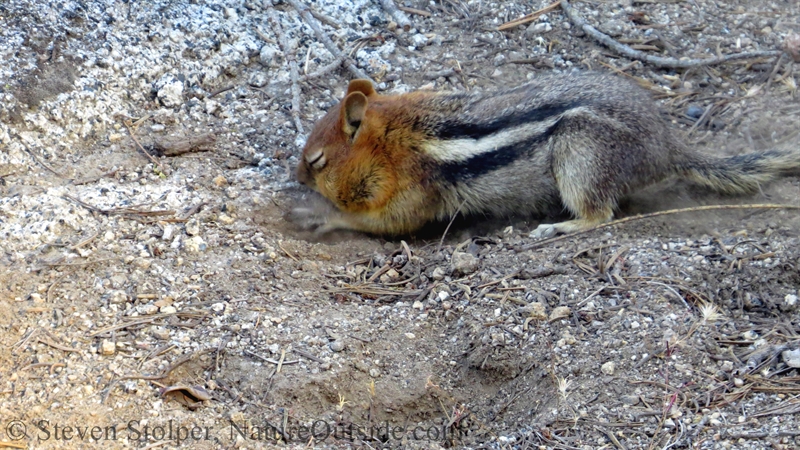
x=392, y=163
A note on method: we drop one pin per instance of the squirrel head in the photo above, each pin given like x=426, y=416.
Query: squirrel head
x=332, y=137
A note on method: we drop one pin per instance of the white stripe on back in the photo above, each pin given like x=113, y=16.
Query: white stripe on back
x=463, y=149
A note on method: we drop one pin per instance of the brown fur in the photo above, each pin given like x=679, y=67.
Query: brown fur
x=392, y=163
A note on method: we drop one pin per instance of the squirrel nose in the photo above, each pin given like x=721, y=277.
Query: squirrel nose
x=302, y=173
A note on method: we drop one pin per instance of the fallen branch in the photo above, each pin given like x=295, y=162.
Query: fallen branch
x=305, y=13
x=657, y=61
x=178, y=145
x=288, y=53
x=399, y=16
x=655, y=214
x=324, y=70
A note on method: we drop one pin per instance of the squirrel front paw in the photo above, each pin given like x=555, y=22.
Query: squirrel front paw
x=316, y=221
x=307, y=219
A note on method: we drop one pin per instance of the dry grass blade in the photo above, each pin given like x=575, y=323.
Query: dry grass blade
x=372, y=289
x=529, y=17
x=120, y=211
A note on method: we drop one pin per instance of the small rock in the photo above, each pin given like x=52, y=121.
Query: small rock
x=630, y=400
x=374, y=372
x=168, y=309
x=537, y=310
x=161, y=333
x=169, y=91
x=443, y=295
x=568, y=338
x=694, y=111
x=791, y=357
x=148, y=309
x=790, y=300
x=37, y=298
x=612, y=28
x=418, y=305
x=268, y=55
x=410, y=335
x=227, y=220
x=107, y=347
x=438, y=274
x=336, y=346
x=220, y=181
x=419, y=40
x=230, y=14
x=738, y=382
x=538, y=28
x=608, y=368
x=464, y=263
x=118, y=297
x=726, y=366
x=362, y=366
x=195, y=244
x=389, y=276
x=169, y=232
x=193, y=227
x=792, y=46
x=560, y=312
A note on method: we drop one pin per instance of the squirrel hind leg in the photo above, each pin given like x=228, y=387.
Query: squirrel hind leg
x=570, y=226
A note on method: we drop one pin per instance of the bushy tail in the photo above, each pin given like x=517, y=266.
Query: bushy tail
x=741, y=174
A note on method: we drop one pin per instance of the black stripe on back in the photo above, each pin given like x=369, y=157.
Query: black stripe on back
x=463, y=171
x=455, y=129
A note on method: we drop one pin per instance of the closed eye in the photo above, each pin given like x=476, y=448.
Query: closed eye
x=316, y=159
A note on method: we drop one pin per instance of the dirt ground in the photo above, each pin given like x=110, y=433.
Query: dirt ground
x=171, y=304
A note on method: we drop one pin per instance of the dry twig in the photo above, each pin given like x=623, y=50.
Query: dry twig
x=288, y=53
x=305, y=13
x=657, y=61
x=130, y=127
x=419, y=12
x=178, y=145
x=656, y=214
x=530, y=17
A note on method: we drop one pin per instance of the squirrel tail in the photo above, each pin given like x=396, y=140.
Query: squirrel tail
x=740, y=174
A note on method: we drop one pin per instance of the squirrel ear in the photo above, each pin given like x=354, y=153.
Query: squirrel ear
x=354, y=107
x=361, y=85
